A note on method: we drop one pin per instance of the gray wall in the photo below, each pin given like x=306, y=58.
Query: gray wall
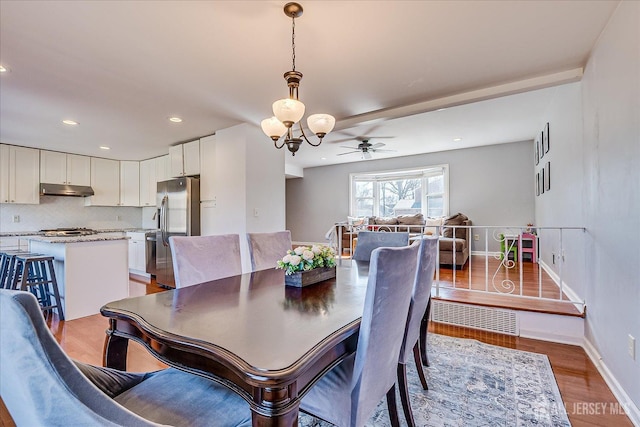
x=492, y=185
x=611, y=162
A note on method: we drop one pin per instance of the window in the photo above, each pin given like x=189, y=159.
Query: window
x=401, y=192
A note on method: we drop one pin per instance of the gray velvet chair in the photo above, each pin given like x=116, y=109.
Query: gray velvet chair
x=417, y=308
x=41, y=386
x=348, y=394
x=267, y=248
x=369, y=240
x=198, y=259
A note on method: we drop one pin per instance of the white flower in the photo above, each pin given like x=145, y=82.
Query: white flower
x=316, y=249
x=295, y=259
x=308, y=255
x=300, y=250
x=286, y=259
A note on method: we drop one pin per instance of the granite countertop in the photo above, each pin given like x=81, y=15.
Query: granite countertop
x=76, y=239
x=114, y=230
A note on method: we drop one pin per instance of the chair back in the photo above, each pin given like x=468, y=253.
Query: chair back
x=391, y=276
x=39, y=384
x=421, y=294
x=199, y=259
x=370, y=240
x=267, y=248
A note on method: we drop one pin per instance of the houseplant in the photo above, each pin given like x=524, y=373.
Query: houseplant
x=306, y=265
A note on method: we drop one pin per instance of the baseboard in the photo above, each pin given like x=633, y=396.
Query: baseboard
x=632, y=411
x=139, y=276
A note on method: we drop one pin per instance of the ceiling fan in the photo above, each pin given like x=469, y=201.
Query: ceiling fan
x=366, y=149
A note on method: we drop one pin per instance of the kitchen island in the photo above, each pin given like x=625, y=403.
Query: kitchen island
x=91, y=270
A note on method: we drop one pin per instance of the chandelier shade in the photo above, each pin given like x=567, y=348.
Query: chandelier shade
x=290, y=111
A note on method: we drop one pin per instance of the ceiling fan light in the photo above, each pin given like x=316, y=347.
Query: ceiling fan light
x=273, y=128
x=321, y=124
x=288, y=111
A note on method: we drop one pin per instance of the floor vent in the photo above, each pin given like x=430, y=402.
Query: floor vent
x=476, y=317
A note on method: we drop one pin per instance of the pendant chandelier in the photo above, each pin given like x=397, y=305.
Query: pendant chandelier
x=289, y=111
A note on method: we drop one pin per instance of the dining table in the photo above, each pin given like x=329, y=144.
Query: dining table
x=268, y=342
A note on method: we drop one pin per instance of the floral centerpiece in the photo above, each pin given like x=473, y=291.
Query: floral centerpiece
x=305, y=265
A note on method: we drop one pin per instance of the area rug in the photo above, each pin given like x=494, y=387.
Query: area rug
x=476, y=384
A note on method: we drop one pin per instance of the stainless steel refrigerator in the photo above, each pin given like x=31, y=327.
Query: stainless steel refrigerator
x=178, y=203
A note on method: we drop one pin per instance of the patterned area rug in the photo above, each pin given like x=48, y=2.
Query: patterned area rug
x=476, y=384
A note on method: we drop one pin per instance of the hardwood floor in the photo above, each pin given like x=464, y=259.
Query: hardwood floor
x=588, y=400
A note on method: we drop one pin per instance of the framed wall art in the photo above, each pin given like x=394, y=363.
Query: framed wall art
x=538, y=184
x=537, y=146
x=541, y=180
x=545, y=140
x=547, y=176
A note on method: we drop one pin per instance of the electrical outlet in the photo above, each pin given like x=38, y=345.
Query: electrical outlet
x=16, y=218
x=476, y=237
x=255, y=212
x=631, y=342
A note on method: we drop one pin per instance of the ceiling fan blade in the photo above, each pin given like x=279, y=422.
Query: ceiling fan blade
x=378, y=145
x=366, y=155
x=348, y=152
x=351, y=148
x=377, y=150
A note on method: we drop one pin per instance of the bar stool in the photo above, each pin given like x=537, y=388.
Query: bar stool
x=38, y=276
x=7, y=267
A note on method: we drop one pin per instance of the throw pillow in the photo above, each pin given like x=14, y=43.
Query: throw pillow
x=433, y=226
x=457, y=219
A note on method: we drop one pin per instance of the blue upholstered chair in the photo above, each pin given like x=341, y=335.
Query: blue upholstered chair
x=369, y=240
x=198, y=259
x=417, y=308
x=267, y=248
x=348, y=394
x=41, y=386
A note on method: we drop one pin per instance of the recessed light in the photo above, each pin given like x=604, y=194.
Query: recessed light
x=323, y=158
x=104, y=147
x=457, y=139
x=175, y=119
x=3, y=69
x=70, y=122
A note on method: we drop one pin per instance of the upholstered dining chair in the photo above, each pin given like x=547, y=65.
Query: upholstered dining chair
x=369, y=240
x=348, y=394
x=198, y=259
x=267, y=248
x=42, y=386
x=417, y=309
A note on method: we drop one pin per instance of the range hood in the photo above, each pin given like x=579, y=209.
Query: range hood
x=65, y=190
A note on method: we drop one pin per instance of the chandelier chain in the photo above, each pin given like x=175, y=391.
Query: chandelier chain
x=293, y=42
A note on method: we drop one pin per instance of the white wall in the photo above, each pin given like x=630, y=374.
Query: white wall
x=244, y=173
x=492, y=185
x=611, y=162
x=57, y=211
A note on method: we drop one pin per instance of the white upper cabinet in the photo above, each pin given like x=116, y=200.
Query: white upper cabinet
x=63, y=168
x=19, y=175
x=148, y=182
x=185, y=159
x=129, y=183
x=163, y=168
x=105, y=181
x=207, y=176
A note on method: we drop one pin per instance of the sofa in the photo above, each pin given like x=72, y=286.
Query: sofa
x=416, y=224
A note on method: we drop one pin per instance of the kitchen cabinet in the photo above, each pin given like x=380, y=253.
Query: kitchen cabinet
x=129, y=183
x=137, y=252
x=19, y=175
x=148, y=182
x=163, y=168
x=105, y=181
x=207, y=175
x=64, y=168
x=185, y=159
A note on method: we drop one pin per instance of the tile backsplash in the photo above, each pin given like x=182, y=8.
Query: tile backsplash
x=57, y=212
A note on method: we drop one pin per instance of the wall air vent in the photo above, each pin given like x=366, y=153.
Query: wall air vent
x=476, y=317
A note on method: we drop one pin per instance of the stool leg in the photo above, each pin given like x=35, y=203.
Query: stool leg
x=56, y=291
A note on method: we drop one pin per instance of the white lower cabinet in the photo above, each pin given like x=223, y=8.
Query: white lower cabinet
x=137, y=253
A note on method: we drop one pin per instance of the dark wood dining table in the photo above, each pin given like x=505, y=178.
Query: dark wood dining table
x=267, y=341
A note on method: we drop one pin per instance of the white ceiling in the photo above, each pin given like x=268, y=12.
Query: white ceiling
x=381, y=68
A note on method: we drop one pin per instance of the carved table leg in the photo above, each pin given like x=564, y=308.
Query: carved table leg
x=115, y=349
x=276, y=408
